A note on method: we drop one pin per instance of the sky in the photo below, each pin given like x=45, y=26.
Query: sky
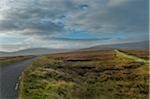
x=71, y=24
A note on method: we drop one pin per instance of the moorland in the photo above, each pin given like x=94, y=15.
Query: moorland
x=100, y=74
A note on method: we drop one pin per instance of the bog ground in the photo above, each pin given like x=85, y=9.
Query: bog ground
x=87, y=75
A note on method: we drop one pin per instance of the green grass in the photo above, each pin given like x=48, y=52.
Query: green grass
x=137, y=59
x=104, y=76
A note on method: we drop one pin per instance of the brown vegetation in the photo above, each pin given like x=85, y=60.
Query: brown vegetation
x=85, y=75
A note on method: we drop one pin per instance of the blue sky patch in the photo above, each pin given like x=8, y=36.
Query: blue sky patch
x=84, y=6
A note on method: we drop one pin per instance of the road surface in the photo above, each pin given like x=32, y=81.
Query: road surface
x=9, y=79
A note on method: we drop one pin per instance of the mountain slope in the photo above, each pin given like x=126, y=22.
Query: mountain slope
x=144, y=45
x=33, y=51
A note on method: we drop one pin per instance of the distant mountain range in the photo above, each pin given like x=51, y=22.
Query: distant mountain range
x=33, y=51
x=144, y=45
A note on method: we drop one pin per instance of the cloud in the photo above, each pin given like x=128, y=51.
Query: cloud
x=117, y=16
x=43, y=19
x=125, y=16
x=72, y=39
x=12, y=47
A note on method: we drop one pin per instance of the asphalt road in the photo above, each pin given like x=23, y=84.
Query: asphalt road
x=9, y=79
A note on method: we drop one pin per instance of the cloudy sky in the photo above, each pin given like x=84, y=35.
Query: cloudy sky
x=71, y=23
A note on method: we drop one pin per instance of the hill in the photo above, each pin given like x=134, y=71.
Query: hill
x=143, y=45
x=33, y=51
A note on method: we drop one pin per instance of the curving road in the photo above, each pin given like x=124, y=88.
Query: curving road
x=9, y=78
